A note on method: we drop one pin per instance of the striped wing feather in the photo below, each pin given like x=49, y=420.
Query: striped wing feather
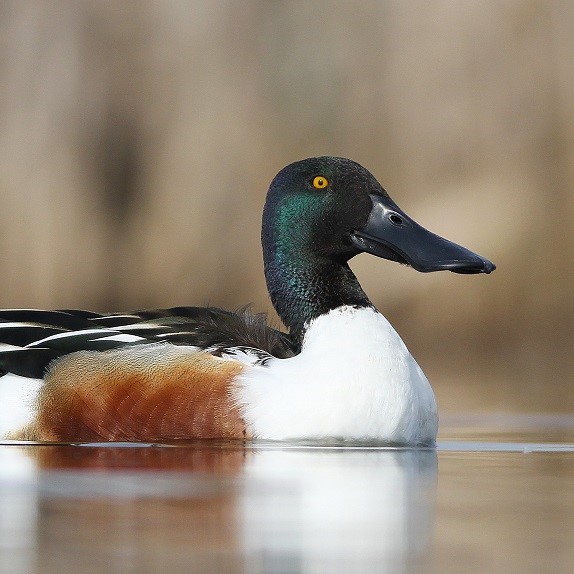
x=30, y=339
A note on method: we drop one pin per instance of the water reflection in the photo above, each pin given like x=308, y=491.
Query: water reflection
x=206, y=457
x=338, y=510
x=215, y=507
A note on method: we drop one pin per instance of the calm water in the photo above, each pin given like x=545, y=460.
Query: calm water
x=496, y=496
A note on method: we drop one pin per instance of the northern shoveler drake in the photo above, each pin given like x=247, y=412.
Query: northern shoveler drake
x=340, y=372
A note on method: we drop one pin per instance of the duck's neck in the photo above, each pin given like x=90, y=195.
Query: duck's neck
x=303, y=285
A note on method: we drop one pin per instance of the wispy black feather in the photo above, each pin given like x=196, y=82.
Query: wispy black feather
x=31, y=345
x=218, y=329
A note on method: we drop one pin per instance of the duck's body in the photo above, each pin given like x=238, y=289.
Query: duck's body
x=342, y=371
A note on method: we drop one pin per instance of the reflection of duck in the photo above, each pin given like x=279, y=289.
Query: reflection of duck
x=339, y=510
x=213, y=458
x=342, y=371
x=283, y=509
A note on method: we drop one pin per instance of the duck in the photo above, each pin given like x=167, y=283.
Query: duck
x=338, y=371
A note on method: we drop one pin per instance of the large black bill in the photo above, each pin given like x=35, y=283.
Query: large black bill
x=392, y=234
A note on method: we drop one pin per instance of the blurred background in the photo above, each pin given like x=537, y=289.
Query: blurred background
x=137, y=141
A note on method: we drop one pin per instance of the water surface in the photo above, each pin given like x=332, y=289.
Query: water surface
x=497, y=495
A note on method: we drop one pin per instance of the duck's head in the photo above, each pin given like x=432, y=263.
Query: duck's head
x=322, y=211
x=334, y=208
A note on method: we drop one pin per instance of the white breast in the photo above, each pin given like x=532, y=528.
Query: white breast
x=354, y=379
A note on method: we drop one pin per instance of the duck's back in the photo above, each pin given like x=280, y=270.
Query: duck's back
x=31, y=339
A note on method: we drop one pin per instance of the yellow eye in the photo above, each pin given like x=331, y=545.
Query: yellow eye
x=320, y=182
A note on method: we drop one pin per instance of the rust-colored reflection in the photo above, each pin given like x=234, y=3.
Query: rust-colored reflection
x=128, y=508
x=224, y=459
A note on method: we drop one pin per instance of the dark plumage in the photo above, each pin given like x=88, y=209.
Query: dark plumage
x=204, y=327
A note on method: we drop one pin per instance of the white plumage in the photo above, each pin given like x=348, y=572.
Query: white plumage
x=354, y=379
x=17, y=402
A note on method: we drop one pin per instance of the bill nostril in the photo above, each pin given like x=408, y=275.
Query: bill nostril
x=395, y=219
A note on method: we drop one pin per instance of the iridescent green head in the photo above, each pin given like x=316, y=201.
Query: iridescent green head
x=322, y=211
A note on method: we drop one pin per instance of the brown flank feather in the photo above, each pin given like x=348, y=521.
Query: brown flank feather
x=139, y=393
